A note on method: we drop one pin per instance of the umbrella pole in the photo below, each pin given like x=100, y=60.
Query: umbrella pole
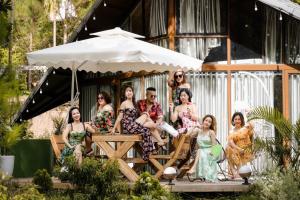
x=72, y=86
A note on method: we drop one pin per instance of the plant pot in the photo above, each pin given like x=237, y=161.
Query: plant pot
x=7, y=164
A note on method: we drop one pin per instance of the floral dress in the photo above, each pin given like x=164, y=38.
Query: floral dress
x=207, y=164
x=241, y=138
x=104, y=121
x=131, y=127
x=187, y=122
x=75, y=138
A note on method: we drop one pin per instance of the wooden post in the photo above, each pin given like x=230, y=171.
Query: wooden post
x=171, y=24
x=228, y=40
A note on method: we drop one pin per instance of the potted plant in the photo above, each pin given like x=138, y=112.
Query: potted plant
x=8, y=137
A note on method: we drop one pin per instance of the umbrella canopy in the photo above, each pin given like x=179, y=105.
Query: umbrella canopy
x=113, y=50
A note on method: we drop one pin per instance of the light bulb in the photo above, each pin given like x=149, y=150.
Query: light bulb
x=85, y=28
x=104, y=4
x=255, y=7
x=94, y=18
x=21, y=120
x=53, y=71
x=280, y=17
x=41, y=91
x=47, y=83
x=27, y=110
x=33, y=101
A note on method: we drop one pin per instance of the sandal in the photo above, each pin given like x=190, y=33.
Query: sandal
x=89, y=152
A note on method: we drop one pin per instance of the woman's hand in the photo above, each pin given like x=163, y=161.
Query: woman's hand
x=242, y=151
x=171, y=107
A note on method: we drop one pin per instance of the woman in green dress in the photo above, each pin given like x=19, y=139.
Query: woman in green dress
x=74, y=135
x=205, y=165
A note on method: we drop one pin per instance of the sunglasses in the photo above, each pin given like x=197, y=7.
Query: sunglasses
x=178, y=76
x=101, y=97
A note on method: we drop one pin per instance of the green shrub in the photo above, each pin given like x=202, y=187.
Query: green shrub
x=276, y=184
x=3, y=192
x=28, y=193
x=95, y=179
x=147, y=187
x=43, y=180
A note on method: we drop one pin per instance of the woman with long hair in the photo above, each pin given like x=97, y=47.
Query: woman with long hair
x=74, y=135
x=128, y=116
x=177, y=81
x=205, y=164
x=239, y=146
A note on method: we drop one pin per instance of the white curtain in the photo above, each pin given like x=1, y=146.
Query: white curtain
x=294, y=94
x=88, y=102
x=162, y=43
x=270, y=36
x=199, y=16
x=249, y=90
x=158, y=18
x=292, y=42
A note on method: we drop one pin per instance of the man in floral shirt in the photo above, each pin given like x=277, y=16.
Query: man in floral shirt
x=151, y=106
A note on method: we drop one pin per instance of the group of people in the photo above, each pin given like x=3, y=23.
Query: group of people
x=145, y=117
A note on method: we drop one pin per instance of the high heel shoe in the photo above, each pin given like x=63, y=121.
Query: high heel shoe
x=162, y=146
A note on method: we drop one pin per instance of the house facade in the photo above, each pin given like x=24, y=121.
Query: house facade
x=250, y=49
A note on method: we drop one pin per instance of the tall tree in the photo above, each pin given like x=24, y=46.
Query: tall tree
x=52, y=8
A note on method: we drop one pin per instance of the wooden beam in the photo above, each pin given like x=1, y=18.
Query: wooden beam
x=171, y=24
x=142, y=83
x=117, y=138
x=285, y=94
x=249, y=67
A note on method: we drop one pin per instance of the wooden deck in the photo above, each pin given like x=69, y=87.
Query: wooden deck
x=182, y=185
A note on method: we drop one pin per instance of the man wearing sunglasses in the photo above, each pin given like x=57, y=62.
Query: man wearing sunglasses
x=152, y=108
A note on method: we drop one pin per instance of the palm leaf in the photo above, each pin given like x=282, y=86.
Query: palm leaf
x=275, y=117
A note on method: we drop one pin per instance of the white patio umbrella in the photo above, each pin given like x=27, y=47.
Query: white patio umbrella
x=114, y=50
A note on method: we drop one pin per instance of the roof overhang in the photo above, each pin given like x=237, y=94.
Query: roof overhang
x=285, y=6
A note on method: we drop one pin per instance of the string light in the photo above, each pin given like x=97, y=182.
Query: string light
x=47, y=83
x=280, y=17
x=33, y=101
x=255, y=7
x=85, y=28
x=94, y=17
x=27, y=110
x=53, y=71
x=104, y=4
x=41, y=91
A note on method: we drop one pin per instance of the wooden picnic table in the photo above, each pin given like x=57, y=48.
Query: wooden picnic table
x=123, y=143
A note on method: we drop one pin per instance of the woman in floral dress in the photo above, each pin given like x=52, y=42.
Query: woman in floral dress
x=104, y=119
x=239, y=147
x=186, y=111
x=128, y=116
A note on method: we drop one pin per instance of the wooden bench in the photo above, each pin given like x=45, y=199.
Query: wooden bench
x=57, y=145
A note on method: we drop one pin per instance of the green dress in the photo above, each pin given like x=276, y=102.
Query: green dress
x=75, y=138
x=207, y=164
